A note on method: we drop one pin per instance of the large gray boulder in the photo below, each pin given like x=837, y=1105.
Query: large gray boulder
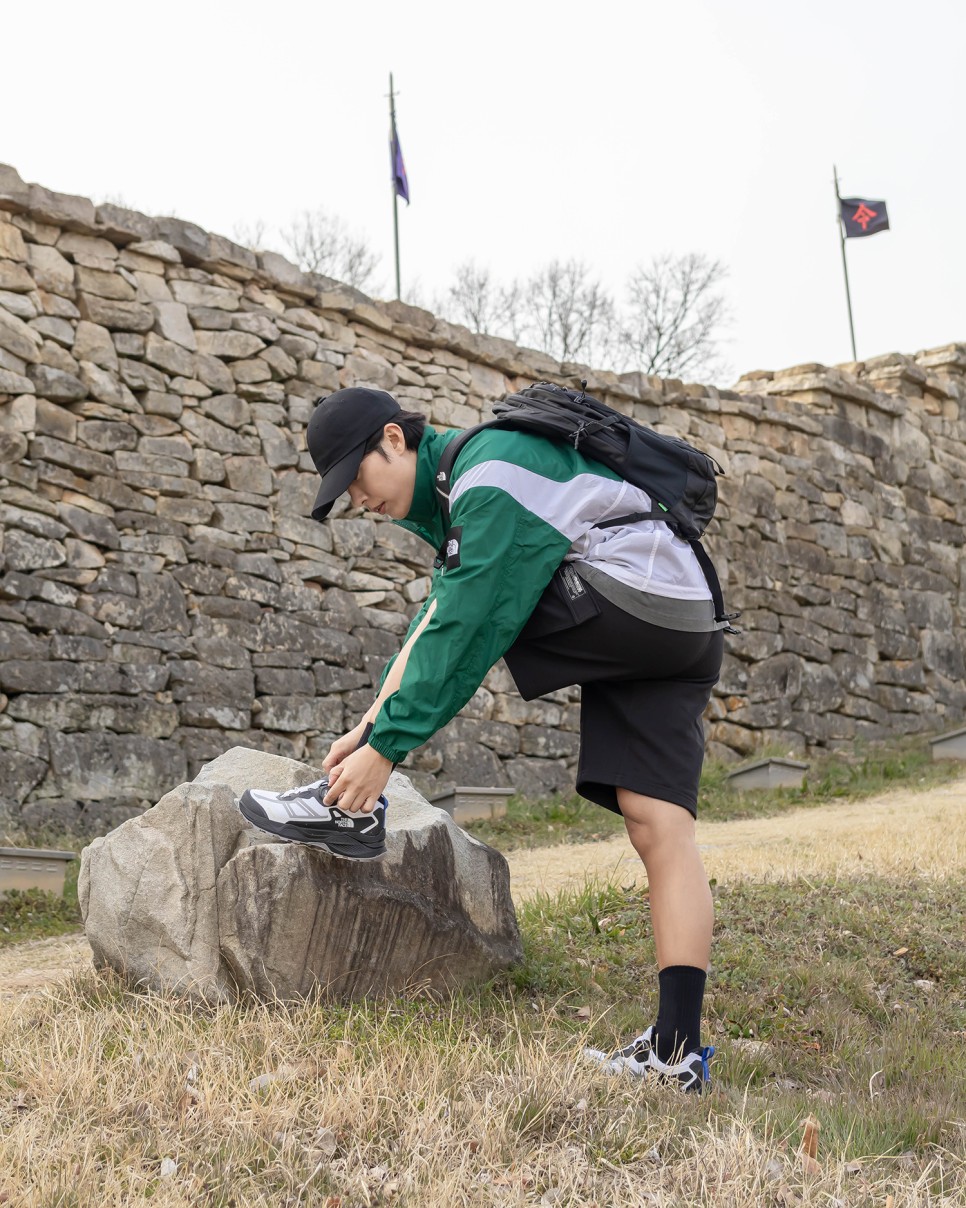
x=190, y=897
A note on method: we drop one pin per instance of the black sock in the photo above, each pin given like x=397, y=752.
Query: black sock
x=678, y=1027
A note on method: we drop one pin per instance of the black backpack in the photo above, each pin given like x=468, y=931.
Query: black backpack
x=680, y=479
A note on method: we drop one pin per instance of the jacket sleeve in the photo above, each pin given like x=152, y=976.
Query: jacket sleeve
x=413, y=626
x=507, y=557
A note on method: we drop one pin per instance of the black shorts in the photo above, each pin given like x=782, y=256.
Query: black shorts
x=643, y=692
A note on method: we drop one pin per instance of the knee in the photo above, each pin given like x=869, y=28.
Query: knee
x=642, y=840
x=653, y=824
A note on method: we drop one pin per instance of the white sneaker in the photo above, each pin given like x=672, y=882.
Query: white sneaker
x=639, y=1059
x=301, y=816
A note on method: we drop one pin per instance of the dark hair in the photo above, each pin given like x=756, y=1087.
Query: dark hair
x=412, y=423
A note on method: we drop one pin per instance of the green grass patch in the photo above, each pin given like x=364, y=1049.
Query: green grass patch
x=863, y=772
x=849, y=994
x=35, y=914
x=547, y=822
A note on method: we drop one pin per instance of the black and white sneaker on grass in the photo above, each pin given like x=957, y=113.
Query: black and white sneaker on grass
x=300, y=816
x=639, y=1059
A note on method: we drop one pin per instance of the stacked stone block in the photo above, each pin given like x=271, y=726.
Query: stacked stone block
x=163, y=595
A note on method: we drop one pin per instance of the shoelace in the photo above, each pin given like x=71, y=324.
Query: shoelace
x=305, y=788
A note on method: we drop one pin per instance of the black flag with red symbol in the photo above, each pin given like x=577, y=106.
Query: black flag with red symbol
x=861, y=217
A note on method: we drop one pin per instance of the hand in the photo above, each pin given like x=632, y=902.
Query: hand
x=358, y=781
x=343, y=746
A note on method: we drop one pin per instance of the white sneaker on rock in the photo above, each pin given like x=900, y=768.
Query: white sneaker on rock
x=300, y=816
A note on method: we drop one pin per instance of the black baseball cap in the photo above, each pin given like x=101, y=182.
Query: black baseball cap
x=340, y=426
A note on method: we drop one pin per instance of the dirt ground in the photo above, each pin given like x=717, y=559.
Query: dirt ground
x=895, y=834
x=899, y=833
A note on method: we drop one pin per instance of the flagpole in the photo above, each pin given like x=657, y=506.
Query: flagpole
x=395, y=195
x=845, y=266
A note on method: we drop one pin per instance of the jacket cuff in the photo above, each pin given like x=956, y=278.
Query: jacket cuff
x=387, y=751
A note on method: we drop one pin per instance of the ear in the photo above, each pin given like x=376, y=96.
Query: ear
x=394, y=437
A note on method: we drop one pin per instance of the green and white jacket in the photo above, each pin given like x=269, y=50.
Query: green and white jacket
x=524, y=504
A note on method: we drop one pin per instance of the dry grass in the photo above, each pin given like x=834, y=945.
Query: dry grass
x=118, y=1098
x=899, y=833
x=839, y=992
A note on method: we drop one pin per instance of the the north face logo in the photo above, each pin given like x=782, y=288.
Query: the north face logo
x=448, y=554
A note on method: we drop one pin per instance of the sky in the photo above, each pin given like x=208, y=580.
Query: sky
x=532, y=131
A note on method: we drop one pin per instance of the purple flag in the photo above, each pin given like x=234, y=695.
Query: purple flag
x=400, y=182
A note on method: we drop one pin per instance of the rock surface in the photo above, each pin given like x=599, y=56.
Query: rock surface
x=189, y=897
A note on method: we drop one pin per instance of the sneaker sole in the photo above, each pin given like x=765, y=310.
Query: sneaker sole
x=351, y=848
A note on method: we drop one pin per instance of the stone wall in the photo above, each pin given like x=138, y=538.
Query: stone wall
x=163, y=595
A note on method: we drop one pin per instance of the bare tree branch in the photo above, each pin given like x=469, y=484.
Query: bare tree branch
x=477, y=301
x=567, y=314
x=675, y=316
x=251, y=235
x=671, y=328
x=319, y=243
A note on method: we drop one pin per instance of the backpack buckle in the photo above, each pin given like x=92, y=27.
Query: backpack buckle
x=729, y=617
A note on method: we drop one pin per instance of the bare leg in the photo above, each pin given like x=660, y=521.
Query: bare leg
x=682, y=912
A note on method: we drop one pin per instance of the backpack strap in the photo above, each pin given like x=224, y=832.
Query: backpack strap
x=633, y=518
x=721, y=617
x=444, y=474
x=707, y=566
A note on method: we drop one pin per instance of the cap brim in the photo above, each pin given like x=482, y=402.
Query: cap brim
x=336, y=480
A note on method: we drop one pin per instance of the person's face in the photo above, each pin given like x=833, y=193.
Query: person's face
x=386, y=484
